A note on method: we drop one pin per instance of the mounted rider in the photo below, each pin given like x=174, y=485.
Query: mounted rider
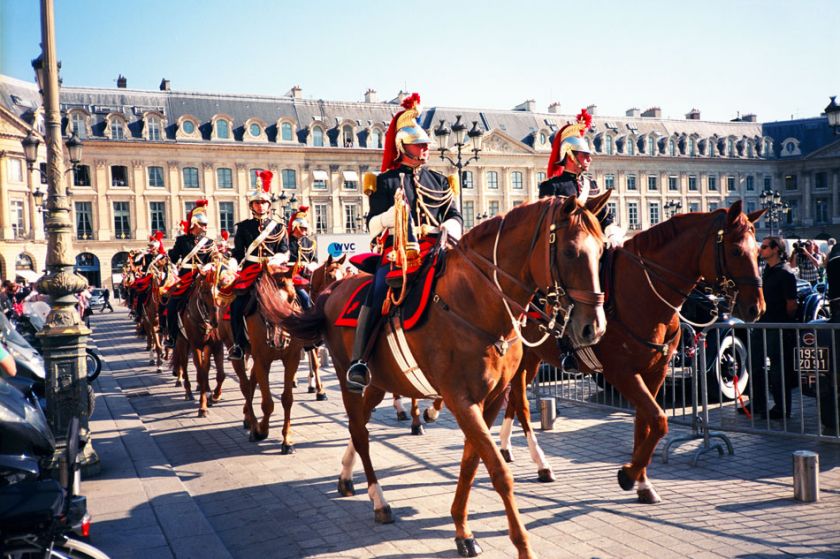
x=569, y=161
x=143, y=262
x=192, y=250
x=258, y=242
x=302, y=254
x=431, y=199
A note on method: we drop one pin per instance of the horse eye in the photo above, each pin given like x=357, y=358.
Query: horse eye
x=570, y=253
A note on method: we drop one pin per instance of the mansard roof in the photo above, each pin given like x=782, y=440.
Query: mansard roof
x=812, y=133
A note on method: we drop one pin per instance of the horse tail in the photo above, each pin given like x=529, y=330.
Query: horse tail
x=308, y=327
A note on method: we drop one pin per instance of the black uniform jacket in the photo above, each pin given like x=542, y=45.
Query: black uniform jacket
x=247, y=231
x=567, y=184
x=146, y=262
x=183, y=246
x=389, y=182
x=307, y=256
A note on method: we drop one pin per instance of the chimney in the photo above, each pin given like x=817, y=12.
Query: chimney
x=370, y=96
x=634, y=112
x=529, y=105
x=122, y=83
x=653, y=112
x=554, y=108
x=399, y=98
x=693, y=114
x=164, y=85
x=592, y=109
x=295, y=93
x=749, y=118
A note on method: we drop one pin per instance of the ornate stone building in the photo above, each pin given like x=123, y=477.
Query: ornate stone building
x=149, y=155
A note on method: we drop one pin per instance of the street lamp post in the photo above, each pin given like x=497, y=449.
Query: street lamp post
x=771, y=200
x=64, y=336
x=459, y=131
x=832, y=112
x=672, y=207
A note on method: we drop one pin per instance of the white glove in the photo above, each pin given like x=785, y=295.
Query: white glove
x=382, y=221
x=279, y=259
x=453, y=228
x=312, y=266
x=615, y=235
x=206, y=268
x=232, y=263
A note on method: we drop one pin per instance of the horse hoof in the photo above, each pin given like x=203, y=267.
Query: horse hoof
x=159, y=369
x=427, y=418
x=417, y=430
x=311, y=390
x=507, y=455
x=178, y=384
x=345, y=487
x=648, y=496
x=402, y=416
x=215, y=398
x=545, y=475
x=383, y=515
x=287, y=449
x=202, y=413
x=245, y=424
x=625, y=481
x=467, y=547
x=294, y=384
x=189, y=397
x=151, y=361
x=256, y=436
x=321, y=397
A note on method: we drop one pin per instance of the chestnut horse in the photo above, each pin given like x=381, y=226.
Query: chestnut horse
x=468, y=347
x=654, y=271
x=162, y=279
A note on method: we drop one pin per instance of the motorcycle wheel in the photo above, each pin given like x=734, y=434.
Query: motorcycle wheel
x=94, y=364
x=64, y=548
x=729, y=358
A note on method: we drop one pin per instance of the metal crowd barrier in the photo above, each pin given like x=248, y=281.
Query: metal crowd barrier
x=805, y=356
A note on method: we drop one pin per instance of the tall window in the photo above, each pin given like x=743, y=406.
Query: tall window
x=631, y=146
x=631, y=182
x=492, y=179
x=750, y=183
x=84, y=220
x=117, y=130
x=190, y=177
x=791, y=182
x=469, y=214
x=768, y=182
x=222, y=129
x=286, y=132
x=672, y=147
x=81, y=175
x=653, y=213
x=347, y=136
x=154, y=129
x=673, y=184
x=122, y=223
x=289, y=178
x=188, y=207
x=119, y=175
x=15, y=169
x=493, y=208
x=352, y=221
x=820, y=181
x=712, y=184
x=468, y=180
x=224, y=177
x=17, y=219
x=540, y=177
x=613, y=209
x=821, y=210
x=608, y=144
x=652, y=183
x=157, y=216
x=730, y=184
x=321, y=213
x=318, y=137
x=375, y=139
x=692, y=147
x=609, y=182
x=516, y=180
x=156, y=176
x=692, y=183
x=633, y=215
x=226, y=217
x=78, y=125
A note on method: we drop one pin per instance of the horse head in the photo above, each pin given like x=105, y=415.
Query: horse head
x=730, y=260
x=327, y=273
x=570, y=269
x=206, y=288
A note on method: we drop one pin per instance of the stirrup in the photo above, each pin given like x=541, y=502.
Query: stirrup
x=357, y=376
x=235, y=353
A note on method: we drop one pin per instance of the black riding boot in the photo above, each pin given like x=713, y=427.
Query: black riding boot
x=237, y=324
x=358, y=374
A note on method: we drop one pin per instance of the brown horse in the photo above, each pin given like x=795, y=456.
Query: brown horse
x=162, y=279
x=200, y=323
x=654, y=271
x=468, y=347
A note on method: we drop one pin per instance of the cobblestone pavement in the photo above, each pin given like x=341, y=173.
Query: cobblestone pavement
x=174, y=485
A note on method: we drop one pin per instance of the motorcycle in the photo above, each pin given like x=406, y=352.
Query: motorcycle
x=38, y=515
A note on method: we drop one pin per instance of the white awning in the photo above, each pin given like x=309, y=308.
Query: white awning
x=28, y=275
x=351, y=176
x=320, y=175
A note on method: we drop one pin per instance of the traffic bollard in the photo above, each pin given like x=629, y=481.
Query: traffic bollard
x=548, y=413
x=806, y=476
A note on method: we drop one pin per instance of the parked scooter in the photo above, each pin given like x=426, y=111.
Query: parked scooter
x=38, y=515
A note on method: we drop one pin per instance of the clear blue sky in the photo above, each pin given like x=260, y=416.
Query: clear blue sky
x=773, y=58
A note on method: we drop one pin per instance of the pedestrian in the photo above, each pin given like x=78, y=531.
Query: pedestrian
x=781, y=306
x=807, y=264
x=106, y=300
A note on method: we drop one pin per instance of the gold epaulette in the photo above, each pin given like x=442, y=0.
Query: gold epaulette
x=454, y=184
x=369, y=183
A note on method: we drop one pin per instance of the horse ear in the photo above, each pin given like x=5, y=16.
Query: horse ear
x=342, y=259
x=596, y=203
x=733, y=213
x=569, y=204
x=756, y=215
x=329, y=260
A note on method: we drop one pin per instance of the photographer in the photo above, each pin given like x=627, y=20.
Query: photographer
x=803, y=258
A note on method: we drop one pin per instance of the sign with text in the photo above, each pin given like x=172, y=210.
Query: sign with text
x=336, y=245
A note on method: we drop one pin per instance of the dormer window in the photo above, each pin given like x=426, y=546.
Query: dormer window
x=188, y=127
x=254, y=130
x=79, y=124
x=222, y=129
x=608, y=144
x=154, y=128
x=347, y=136
x=317, y=136
x=650, y=146
x=375, y=139
x=116, y=127
x=630, y=147
x=286, y=132
x=672, y=147
x=730, y=147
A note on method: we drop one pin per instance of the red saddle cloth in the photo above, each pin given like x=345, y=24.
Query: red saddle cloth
x=184, y=283
x=246, y=277
x=142, y=283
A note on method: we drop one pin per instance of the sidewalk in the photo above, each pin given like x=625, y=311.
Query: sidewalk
x=174, y=485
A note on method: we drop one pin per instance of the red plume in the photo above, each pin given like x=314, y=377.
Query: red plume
x=159, y=235
x=265, y=177
x=555, y=167
x=411, y=101
x=200, y=203
x=586, y=119
x=185, y=225
x=225, y=234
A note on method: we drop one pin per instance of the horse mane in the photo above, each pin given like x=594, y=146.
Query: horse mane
x=662, y=233
x=580, y=217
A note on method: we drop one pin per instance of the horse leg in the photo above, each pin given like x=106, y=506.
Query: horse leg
x=259, y=375
x=315, y=375
x=219, y=358
x=399, y=408
x=518, y=404
x=650, y=426
x=416, y=426
x=290, y=367
x=480, y=443
x=201, y=360
x=358, y=413
x=184, y=363
x=431, y=414
x=250, y=419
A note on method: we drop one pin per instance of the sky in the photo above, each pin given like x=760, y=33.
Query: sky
x=776, y=59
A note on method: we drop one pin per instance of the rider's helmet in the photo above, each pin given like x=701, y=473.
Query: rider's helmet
x=196, y=216
x=298, y=221
x=261, y=194
x=403, y=130
x=567, y=140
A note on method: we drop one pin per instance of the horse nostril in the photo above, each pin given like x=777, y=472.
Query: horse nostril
x=588, y=332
